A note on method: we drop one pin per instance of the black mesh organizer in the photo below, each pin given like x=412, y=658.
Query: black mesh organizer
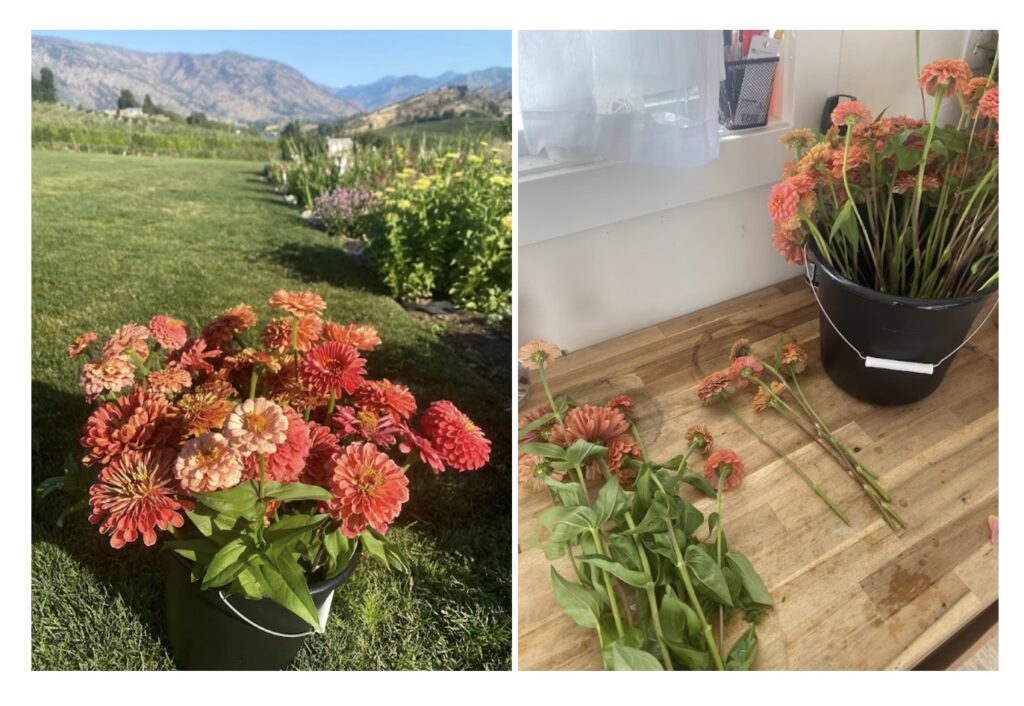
x=745, y=93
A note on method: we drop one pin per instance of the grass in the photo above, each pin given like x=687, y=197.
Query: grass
x=119, y=239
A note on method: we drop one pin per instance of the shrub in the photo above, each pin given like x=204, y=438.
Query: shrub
x=344, y=211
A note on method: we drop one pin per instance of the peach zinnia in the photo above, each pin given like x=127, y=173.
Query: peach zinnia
x=170, y=333
x=277, y=335
x=790, y=244
x=622, y=403
x=700, y=438
x=743, y=368
x=297, y=303
x=169, y=381
x=107, y=375
x=763, y=398
x=134, y=496
x=137, y=421
x=540, y=433
x=256, y=426
x=988, y=106
x=362, y=337
x=798, y=138
x=369, y=489
x=194, y=356
x=952, y=75
x=221, y=332
x=851, y=114
x=333, y=367
x=323, y=444
x=285, y=464
x=600, y=425
x=794, y=358
x=368, y=425
x=130, y=336
x=203, y=410
x=537, y=352
x=721, y=463
x=385, y=397
x=783, y=204
x=529, y=475
x=459, y=441
x=208, y=463
x=81, y=343
x=713, y=385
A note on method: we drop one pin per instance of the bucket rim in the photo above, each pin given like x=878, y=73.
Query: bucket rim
x=315, y=589
x=890, y=299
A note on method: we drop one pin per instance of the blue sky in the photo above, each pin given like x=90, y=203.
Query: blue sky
x=334, y=58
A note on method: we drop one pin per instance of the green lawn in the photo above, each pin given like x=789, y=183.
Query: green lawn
x=118, y=239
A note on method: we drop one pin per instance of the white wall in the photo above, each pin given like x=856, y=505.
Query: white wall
x=606, y=249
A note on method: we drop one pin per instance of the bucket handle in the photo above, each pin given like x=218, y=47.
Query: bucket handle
x=323, y=611
x=903, y=366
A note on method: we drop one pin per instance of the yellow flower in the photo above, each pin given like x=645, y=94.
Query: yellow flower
x=507, y=222
x=391, y=218
x=422, y=184
x=499, y=180
x=456, y=175
x=451, y=155
x=404, y=204
x=496, y=150
x=497, y=161
x=407, y=172
x=389, y=189
x=474, y=159
x=485, y=143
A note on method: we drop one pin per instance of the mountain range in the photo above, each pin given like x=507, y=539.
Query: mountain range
x=228, y=86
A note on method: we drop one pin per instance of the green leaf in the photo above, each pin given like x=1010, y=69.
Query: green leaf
x=290, y=529
x=654, y=520
x=629, y=576
x=250, y=582
x=691, y=658
x=674, y=618
x=287, y=492
x=578, y=603
x=742, y=654
x=707, y=574
x=846, y=222
x=630, y=659
x=228, y=562
x=535, y=424
x=285, y=584
x=543, y=450
x=907, y=158
x=753, y=584
x=571, y=523
x=339, y=549
x=569, y=494
x=611, y=501
x=583, y=450
x=697, y=481
x=240, y=501
x=200, y=550
x=383, y=550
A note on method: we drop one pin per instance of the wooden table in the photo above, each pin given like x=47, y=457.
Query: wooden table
x=859, y=597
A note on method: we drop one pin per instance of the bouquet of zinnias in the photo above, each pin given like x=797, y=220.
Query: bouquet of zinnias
x=897, y=204
x=265, y=458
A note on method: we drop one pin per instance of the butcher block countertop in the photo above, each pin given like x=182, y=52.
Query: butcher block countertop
x=860, y=597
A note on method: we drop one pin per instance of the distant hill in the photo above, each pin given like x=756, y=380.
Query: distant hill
x=440, y=104
x=227, y=86
x=494, y=82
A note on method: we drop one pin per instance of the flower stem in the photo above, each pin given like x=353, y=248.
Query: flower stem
x=253, y=377
x=718, y=552
x=813, y=486
x=331, y=399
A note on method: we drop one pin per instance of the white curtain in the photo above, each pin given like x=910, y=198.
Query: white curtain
x=645, y=97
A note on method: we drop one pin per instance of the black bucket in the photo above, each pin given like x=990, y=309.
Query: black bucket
x=206, y=633
x=883, y=326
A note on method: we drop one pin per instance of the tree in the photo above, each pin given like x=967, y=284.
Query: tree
x=126, y=100
x=197, y=118
x=44, y=88
x=149, y=107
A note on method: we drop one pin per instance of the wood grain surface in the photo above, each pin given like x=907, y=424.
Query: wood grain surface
x=860, y=597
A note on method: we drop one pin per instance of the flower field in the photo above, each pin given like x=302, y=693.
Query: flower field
x=202, y=236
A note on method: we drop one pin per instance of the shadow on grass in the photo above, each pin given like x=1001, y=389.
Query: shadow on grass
x=326, y=263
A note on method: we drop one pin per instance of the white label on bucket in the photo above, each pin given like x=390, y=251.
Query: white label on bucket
x=902, y=366
x=325, y=610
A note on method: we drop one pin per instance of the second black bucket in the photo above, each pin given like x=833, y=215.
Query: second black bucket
x=207, y=631
x=889, y=327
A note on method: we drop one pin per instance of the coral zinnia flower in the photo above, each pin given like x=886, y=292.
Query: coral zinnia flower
x=369, y=489
x=106, y=375
x=721, y=462
x=535, y=352
x=783, y=203
x=208, y=463
x=790, y=244
x=600, y=425
x=362, y=337
x=413, y=442
x=277, y=335
x=744, y=367
x=169, y=333
x=622, y=403
x=194, y=356
x=297, y=303
x=530, y=477
x=221, y=332
x=289, y=389
x=540, y=433
x=700, y=438
x=976, y=88
x=333, y=367
x=137, y=421
x=81, y=343
x=798, y=138
x=323, y=444
x=385, y=397
x=130, y=336
x=851, y=113
x=713, y=385
x=952, y=74
x=249, y=357
x=855, y=157
x=988, y=106
x=134, y=496
x=285, y=464
x=618, y=450
x=459, y=441
x=169, y=381
x=763, y=398
x=370, y=426
x=794, y=357
x=203, y=410
x=256, y=426
x=740, y=348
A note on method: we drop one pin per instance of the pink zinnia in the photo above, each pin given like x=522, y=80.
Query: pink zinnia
x=106, y=375
x=851, y=113
x=169, y=381
x=369, y=489
x=952, y=74
x=257, y=426
x=744, y=367
x=137, y=421
x=412, y=442
x=81, y=343
x=721, y=462
x=169, y=333
x=459, y=441
x=333, y=367
x=783, y=202
x=790, y=244
x=134, y=496
x=194, y=356
x=323, y=444
x=369, y=426
x=286, y=463
x=385, y=397
x=130, y=336
x=208, y=463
